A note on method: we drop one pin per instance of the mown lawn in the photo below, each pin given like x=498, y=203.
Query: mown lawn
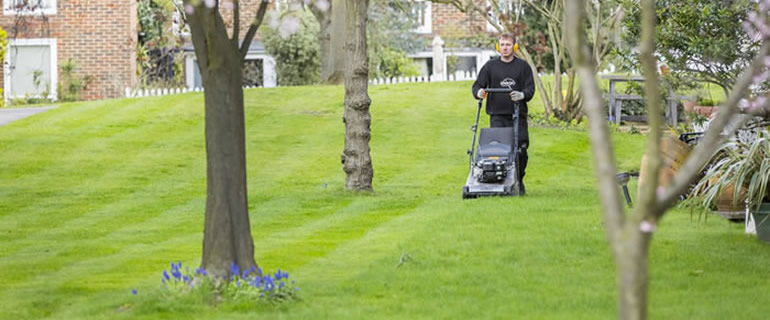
x=97, y=198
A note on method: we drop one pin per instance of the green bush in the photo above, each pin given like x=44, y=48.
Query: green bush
x=71, y=85
x=297, y=56
x=392, y=63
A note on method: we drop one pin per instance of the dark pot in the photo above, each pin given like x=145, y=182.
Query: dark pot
x=762, y=222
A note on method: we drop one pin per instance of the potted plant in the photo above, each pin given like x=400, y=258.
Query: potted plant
x=741, y=167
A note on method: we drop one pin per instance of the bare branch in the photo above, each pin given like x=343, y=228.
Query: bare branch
x=236, y=22
x=603, y=155
x=253, y=28
x=647, y=189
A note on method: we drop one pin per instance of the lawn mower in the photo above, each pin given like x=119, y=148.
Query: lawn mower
x=493, y=165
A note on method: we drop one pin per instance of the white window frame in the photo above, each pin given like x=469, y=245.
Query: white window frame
x=51, y=43
x=8, y=9
x=427, y=25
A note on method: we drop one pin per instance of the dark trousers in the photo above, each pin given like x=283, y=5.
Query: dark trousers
x=506, y=120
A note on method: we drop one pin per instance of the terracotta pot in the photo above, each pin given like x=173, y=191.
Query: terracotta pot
x=724, y=201
x=692, y=107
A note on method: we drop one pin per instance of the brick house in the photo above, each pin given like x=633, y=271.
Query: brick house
x=442, y=25
x=99, y=36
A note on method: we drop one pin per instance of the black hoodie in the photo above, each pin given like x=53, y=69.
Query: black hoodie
x=498, y=74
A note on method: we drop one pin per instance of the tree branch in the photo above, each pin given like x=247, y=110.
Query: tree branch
x=647, y=189
x=236, y=22
x=199, y=43
x=253, y=28
x=603, y=155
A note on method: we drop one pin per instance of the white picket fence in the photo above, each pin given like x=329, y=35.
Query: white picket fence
x=458, y=76
x=138, y=93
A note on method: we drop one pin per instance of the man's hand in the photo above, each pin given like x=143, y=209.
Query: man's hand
x=516, y=95
x=481, y=94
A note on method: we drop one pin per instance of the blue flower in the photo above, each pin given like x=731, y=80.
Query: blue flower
x=165, y=275
x=238, y=283
x=234, y=269
x=133, y=292
x=269, y=284
x=247, y=272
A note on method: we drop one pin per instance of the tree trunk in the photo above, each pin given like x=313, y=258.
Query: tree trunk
x=632, y=275
x=538, y=81
x=227, y=233
x=557, y=95
x=331, y=39
x=356, y=161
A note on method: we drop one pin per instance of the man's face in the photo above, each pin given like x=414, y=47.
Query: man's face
x=506, y=47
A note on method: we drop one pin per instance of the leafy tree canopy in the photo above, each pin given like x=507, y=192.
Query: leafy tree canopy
x=699, y=40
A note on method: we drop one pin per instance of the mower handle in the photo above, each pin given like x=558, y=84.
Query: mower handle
x=501, y=90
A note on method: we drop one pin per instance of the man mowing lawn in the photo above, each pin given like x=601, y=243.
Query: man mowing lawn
x=508, y=72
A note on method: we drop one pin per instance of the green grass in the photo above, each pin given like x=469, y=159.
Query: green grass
x=97, y=198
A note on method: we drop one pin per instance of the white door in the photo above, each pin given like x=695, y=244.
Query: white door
x=31, y=68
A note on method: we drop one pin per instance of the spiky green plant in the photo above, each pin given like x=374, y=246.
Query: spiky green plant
x=741, y=164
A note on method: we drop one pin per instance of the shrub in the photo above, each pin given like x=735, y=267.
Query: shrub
x=297, y=55
x=71, y=85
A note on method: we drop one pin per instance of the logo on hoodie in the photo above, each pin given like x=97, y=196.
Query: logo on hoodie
x=507, y=82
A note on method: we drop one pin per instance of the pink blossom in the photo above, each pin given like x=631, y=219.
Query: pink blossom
x=289, y=26
x=647, y=227
x=210, y=3
x=323, y=5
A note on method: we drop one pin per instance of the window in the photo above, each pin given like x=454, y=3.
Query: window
x=29, y=7
x=422, y=10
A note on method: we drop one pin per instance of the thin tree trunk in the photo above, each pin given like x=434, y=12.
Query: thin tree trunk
x=547, y=105
x=557, y=95
x=227, y=234
x=331, y=39
x=324, y=39
x=632, y=271
x=356, y=160
x=337, y=42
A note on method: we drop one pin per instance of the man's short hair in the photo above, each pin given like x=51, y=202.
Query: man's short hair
x=506, y=35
